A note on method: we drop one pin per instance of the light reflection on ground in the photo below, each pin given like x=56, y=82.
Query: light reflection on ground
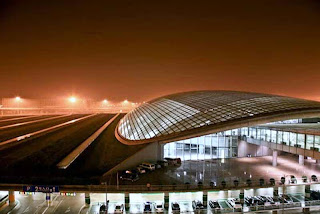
x=236, y=168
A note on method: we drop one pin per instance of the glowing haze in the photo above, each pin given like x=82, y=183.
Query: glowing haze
x=138, y=50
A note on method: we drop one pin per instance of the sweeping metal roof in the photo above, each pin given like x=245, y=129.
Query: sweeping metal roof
x=195, y=113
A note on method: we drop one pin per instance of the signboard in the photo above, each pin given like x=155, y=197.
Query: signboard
x=41, y=188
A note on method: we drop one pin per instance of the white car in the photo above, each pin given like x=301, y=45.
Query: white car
x=158, y=208
x=148, y=166
x=141, y=170
x=118, y=209
x=235, y=203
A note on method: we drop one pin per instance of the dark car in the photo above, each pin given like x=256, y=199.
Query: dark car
x=197, y=205
x=214, y=204
x=129, y=175
x=147, y=207
x=103, y=209
x=175, y=207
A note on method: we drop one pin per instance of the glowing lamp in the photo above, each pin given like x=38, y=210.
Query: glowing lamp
x=72, y=99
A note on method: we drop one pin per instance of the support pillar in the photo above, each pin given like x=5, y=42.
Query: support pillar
x=274, y=158
x=317, y=161
x=87, y=198
x=276, y=197
x=241, y=197
x=307, y=194
x=126, y=201
x=276, y=193
x=301, y=159
x=205, y=198
x=12, y=198
x=48, y=198
x=307, y=191
x=166, y=200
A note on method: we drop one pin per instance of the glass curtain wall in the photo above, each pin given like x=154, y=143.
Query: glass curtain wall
x=220, y=145
x=225, y=144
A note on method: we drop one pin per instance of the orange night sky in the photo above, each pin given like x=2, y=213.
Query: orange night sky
x=138, y=50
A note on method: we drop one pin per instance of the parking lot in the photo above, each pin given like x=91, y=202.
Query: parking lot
x=219, y=170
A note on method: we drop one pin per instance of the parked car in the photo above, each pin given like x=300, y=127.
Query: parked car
x=175, y=207
x=314, y=178
x=235, y=204
x=197, y=205
x=173, y=161
x=147, y=207
x=141, y=170
x=103, y=208
x=148, y=166
x=158, y=208
x=128, y=175
x=214, y=204
x=118, y=209
x=315, y=195
x=293, y=179
x=163, y=163
x=285, y=199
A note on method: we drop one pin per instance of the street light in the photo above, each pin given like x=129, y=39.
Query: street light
x=18, y=100
x=105, y=101
x=72, y=99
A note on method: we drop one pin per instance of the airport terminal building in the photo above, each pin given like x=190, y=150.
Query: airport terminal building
x=203, y=125
x=208, y=130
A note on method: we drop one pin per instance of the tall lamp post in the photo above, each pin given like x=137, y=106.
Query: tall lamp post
x=18, y=100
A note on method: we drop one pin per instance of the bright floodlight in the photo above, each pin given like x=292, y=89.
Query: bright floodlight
x=72, y=99
x=105, y=101
x=125, y=101
x=18, y=99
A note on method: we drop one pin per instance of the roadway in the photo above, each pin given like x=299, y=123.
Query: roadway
x=17, y=131
x=12, y=117
x=34, y=159
x=38, y=156
x=109, y=150
x=12, y=120
x=37, y=204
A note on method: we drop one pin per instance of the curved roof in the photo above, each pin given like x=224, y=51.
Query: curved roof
x=190, y=114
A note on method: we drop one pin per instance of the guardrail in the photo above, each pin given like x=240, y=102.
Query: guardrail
x=3, y=200
x=160, y=188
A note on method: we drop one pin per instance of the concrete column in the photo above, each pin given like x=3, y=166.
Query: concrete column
x=241, y=196
x=48, y=198
x=274, y=158
x=160, y=153
x=126, y=201
x=12, y=198
x=317, y=161
x=307, y=191
x=166, y=200
x=205, y=198
x=87, y=198
x=301, y=159
x=275, y=192
x=275, y=196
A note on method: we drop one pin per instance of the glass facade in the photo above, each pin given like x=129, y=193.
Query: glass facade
x=220, y=145
x=225, y=144
x=171, y=115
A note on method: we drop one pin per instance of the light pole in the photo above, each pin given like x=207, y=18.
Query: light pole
x=18, y=100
